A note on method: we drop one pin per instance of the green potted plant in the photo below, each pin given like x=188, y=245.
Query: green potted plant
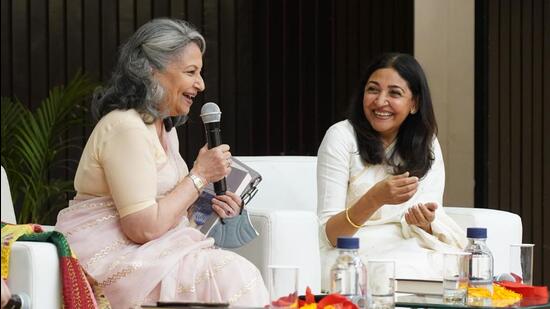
x=32, y=146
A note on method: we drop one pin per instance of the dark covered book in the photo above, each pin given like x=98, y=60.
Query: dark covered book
x=175, y=304
x=242, y=180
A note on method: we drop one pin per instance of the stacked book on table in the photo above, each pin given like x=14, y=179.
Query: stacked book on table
x=419, y=286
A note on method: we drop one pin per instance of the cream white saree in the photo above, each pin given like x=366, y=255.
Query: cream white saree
x=342, y=178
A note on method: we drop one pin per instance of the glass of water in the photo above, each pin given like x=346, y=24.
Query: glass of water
x=521, y=262
x=381, y=284
x=455, y=277
x=283, y=286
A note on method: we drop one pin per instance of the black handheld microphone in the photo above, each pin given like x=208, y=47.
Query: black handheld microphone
x=211, y=116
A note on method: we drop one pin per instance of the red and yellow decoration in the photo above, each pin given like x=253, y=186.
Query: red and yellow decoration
x=506, y=293
x=331, y=301
x=501, y=296
x=77, y=292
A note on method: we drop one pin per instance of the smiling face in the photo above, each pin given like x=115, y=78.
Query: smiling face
x=387, y=101
x=181, y=80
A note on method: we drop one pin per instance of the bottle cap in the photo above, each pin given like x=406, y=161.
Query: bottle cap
x=347, y=243
x=476, y=232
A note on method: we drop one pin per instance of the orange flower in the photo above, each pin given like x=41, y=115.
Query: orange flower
x=331, y=301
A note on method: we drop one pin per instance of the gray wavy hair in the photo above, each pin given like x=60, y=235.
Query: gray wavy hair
x=132, y=84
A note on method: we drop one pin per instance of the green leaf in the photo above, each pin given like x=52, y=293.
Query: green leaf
x=33, y=145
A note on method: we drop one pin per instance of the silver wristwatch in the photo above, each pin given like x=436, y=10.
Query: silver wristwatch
x=197, y=182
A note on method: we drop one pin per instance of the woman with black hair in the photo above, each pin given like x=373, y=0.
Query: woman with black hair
x=380, y=173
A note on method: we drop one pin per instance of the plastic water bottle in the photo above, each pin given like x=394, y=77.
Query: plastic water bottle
x=348, y=275
x=480, y=270
x=19, y=301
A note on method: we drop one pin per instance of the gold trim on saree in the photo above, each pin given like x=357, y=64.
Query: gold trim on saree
x=105, y=251
x=208, y=274
x=120, y=274
x=117, y=262
x=244, y=290
x=91, y=224
x=134, y=266
x=79, y=206
x=175, y=247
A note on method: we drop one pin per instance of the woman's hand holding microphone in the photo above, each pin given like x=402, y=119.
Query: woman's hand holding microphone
x=212, y=165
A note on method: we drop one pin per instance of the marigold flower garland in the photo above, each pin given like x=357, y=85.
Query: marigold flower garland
x=502, y=297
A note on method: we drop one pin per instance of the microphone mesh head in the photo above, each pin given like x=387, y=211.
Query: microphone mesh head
x=210, y=112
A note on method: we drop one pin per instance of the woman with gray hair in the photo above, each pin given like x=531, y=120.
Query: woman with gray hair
x=128, y=222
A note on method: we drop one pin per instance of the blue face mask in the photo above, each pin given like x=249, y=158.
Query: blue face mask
x=234, y=232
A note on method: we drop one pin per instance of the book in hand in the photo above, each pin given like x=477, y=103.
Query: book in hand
x=419, y=286
x=242, y=180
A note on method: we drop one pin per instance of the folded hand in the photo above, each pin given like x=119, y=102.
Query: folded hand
x=421, y=215
x=394, y=189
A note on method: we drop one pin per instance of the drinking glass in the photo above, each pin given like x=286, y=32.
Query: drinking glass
x=381, y=284
x=283, y=286
x=455, y=277
x=521, y=262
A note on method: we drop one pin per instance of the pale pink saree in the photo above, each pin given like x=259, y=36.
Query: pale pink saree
x=182, y=265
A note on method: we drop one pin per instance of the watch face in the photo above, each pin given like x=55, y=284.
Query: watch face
x=197, y=181
x=200, y=183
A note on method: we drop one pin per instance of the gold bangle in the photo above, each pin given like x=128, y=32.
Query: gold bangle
x=350, y=222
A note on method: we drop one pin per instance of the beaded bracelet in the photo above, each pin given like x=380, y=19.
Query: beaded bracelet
x=350, y=222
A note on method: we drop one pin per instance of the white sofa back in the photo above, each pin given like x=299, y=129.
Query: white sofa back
x=288, y=182
x=8, y=214
x=284, y=213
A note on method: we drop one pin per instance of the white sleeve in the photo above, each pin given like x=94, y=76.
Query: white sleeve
x=333, y=166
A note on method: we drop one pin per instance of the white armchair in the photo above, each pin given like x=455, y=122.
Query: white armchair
x=34, y=267
x=285, y=213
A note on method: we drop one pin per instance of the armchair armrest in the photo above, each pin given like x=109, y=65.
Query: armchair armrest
x=34, y=270
x=503, y=229
x=287, y=237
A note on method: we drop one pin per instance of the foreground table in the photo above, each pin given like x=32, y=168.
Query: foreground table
x=435, y=301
